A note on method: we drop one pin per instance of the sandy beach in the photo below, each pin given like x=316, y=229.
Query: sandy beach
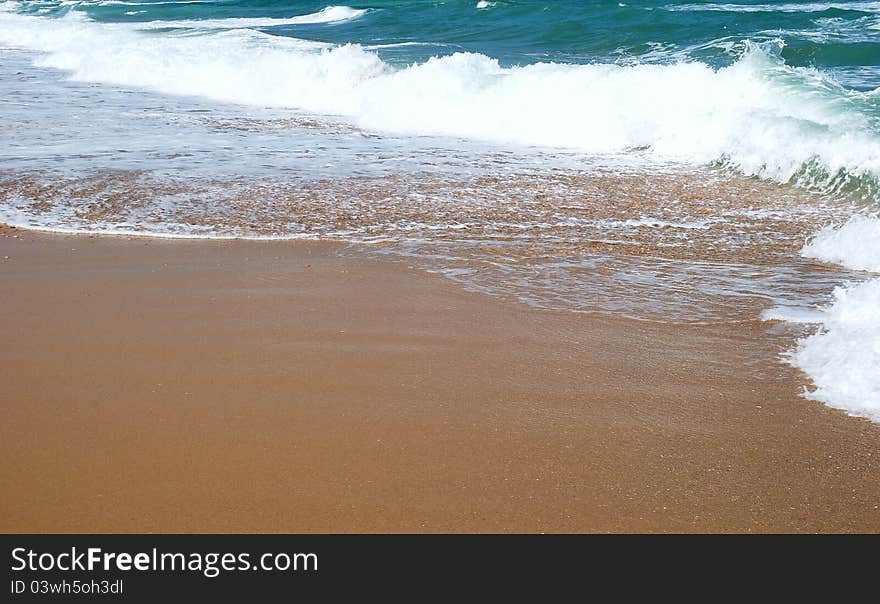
x=232, y=386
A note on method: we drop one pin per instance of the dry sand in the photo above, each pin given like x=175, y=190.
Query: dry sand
x=197, y=386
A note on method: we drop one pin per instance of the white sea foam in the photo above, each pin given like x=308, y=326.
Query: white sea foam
x=855, y=245
x=160, y=3
x=330, y=14
x=765, y=118
x=843, y=358
x=794, y=314
x=657, y=223
x=401, y=45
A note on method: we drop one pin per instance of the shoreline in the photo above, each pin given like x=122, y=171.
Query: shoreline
x=172, y=385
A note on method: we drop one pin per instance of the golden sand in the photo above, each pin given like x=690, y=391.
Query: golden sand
x=198, y=386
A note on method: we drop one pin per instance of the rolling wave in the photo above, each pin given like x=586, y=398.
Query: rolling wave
x=758, y=115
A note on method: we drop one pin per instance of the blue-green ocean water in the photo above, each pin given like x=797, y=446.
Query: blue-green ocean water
x=696, y=81
x=600, y=77
x=659, y=160
x=837, y=37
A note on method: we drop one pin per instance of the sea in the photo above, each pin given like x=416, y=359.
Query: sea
x=689, y=163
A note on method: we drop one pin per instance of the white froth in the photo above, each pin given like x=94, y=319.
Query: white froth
x=843, y=358
x=855, y=245
x=793, y=314
x=330, y=14
x=781, y=7
x=766, y=118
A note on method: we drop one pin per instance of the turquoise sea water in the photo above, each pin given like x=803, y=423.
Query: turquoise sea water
x=838, y=37
x=666, y=161
x=781, y=90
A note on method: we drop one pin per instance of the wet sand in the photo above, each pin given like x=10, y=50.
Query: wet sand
x=197, y=386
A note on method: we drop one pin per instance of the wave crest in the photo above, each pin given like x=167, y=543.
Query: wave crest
x=855, y=245
x=759, y=115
